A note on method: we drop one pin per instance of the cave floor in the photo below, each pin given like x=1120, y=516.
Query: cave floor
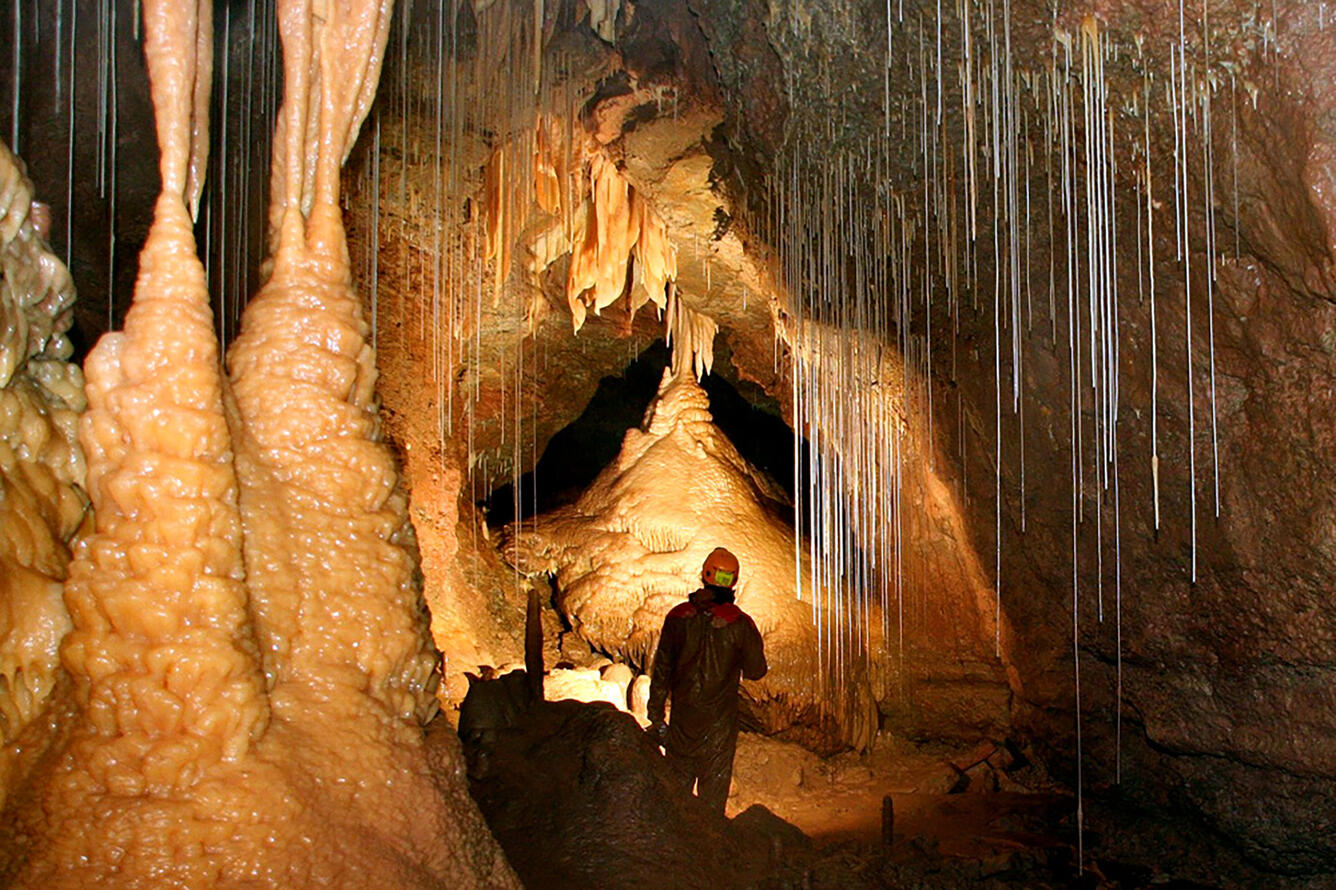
x=965, y=816
x=949, y=799
x=572, y=796
x=970, y=826
x=952, y=813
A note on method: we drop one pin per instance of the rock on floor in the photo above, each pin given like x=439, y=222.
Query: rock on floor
x=580, y=797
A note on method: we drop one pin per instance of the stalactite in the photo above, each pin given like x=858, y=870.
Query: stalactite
x=1076, y=107
x=1154, y=338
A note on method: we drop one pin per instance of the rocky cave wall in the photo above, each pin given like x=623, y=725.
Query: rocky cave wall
x=1226, y=695
x=1223, y=651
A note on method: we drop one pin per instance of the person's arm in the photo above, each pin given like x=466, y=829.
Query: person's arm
x=661, y=675
x=753, y=652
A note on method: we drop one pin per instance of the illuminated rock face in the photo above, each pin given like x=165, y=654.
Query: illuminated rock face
x=631, y=548
x=226, y=721
x=41, y=465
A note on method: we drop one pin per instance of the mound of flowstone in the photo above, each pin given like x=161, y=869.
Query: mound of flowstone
x=631, y=548
x=579, y=797
x=41, y=466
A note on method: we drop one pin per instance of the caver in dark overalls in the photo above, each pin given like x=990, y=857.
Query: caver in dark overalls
x=706, y=646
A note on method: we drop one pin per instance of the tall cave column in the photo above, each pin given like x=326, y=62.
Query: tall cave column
x=161, y=652
x=245, y=722
x=165, y=687
x=326, y=522
x=330, y=563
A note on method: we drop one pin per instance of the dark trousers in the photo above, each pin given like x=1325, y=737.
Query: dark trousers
x=710, y=770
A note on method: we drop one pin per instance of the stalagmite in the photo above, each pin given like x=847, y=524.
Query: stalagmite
x=626, y=552
x=166, y=552
x=249, y=722
x=302, y=371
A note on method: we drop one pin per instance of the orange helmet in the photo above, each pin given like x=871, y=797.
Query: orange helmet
x=720, y=569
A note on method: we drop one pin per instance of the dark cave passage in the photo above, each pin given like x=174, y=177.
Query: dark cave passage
x=576, y=454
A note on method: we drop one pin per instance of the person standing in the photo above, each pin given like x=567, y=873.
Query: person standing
x=706, y=646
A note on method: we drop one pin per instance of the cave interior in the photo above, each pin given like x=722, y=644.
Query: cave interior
x=348, y=342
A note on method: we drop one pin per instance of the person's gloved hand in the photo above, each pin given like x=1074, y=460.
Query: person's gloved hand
x=657, y=732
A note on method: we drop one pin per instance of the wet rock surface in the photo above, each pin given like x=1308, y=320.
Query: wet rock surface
x=1227, y=702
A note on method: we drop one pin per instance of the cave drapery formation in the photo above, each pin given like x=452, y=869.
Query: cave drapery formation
x=1045, y=290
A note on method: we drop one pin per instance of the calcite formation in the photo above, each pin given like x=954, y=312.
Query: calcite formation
x=42, y=502
x=631, y=548
x=251, y=720
x=572, y=197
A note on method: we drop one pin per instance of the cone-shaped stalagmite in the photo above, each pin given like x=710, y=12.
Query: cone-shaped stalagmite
x=247, y=722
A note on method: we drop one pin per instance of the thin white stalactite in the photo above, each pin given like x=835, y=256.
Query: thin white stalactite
x=223, y=252
x=1118, y=627
x=1234, y=159
x=69, y=146
x=102, y=68
x=374, y=274
x=1181, y=111
x=113, y=140
x=16, y=76
x=1208, y=164
x=1091, y=75
x=57, y=56
x=1154, y=336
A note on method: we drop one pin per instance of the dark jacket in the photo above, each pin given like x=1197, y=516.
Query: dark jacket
x=705, y=648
